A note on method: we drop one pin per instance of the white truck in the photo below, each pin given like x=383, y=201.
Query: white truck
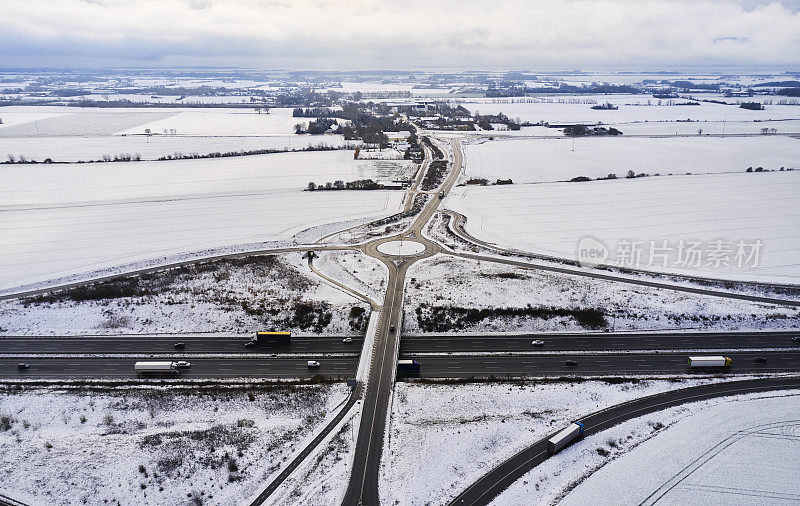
x=710, y=361
x=565, y=437
x=162, y=367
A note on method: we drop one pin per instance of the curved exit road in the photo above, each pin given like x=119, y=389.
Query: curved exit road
x=501, y=477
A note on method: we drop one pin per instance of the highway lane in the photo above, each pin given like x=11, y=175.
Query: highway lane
x=162, y=344
x=598, y=341
x=598, y=365
x=344, y=367
x=502, y=476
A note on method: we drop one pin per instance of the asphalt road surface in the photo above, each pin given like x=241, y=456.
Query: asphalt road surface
x=163, y=344
x=599, y=341
x=201, y=368
x=501, y=477
x=598, y=365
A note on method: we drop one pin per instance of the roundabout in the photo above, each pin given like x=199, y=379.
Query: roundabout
x=401, y=248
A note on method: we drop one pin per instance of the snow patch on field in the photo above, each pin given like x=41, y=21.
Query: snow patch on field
x=197, y=445
x=722, y=451
x=356, y=270
x=278, y=121
x=459, y=282
x=551, y=219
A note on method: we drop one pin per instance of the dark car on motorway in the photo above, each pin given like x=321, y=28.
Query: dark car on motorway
x=760, y=360
x=23, y=365
x=570, y=363
x=179, y=346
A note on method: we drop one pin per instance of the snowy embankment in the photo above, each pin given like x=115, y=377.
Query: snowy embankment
x=550, y=160
x=700, y=210
x=199, y=445
x=444, y=437
x=57, y=221
x=730, y=450
x=436, y=284
x=235, y=296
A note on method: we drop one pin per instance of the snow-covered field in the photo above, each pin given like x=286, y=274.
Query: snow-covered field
x=553, y=218
x=62, y=220
x=225, y=296
x=75, y=149
x=358, y=271
x=545, y=160
x=193, y=445
x=731, y=450
x=279, y=121
x=577, y=109
x=443, y=437
x=444, y=281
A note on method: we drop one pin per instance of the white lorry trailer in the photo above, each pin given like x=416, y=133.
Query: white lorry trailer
x=710, y=361
x=565, y=437
x=162, y=367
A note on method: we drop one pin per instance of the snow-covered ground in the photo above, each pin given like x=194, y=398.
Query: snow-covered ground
x=61, y=220
x=730, y=450
x=443, y=437
x=226, y=296
x=444, y=281
x=358, y=271
x=174, y=445
x=704, y=209
x=578, y=109
x=74, y=149
x=547, y=160
x=279, y=121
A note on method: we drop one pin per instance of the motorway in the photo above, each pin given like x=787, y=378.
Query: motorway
x=164, y=344
x=501, y=477
x=116, y=368
x=599, y=341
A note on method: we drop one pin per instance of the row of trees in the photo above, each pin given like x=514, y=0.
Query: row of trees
x=360, y=184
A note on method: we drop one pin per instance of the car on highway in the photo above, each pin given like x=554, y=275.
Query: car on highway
x=391, y=328
x=570, y=363
x=23, y=365
x=537, y=342
x=796, y=339
x=183, y=363
x=760, y=360
x=347, y=340
x=312, y=363
x=249, y=344
x=179, y=346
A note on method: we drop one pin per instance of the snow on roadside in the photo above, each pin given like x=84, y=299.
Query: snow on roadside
x=448, y=281
x=209, y=445
x=236, y=296
x=444, y=437
x=598, y=469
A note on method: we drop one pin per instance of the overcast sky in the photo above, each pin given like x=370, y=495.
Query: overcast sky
x=373, y=34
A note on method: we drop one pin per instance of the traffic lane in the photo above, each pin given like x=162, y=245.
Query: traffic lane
x=607, y=365
x=598, y=342
x=200, y=368
x=161, y=344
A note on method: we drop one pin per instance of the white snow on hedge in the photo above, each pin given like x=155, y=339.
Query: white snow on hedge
x=553, y=218
x=730, y=450
x=194, y=445
x=546, y=160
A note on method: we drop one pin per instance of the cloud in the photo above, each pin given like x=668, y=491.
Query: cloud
x=413, y=33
